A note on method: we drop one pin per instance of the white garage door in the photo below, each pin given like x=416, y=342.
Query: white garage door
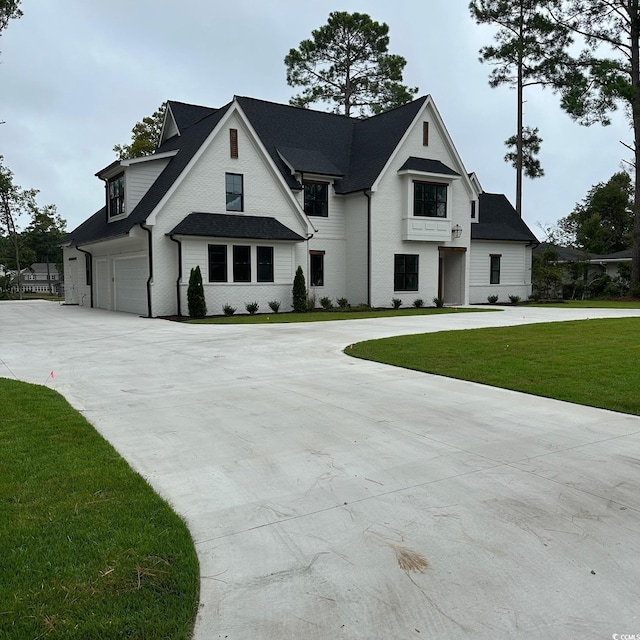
x=130, y=284
x=101, y=284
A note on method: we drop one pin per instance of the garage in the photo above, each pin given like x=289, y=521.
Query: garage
x=130, y=284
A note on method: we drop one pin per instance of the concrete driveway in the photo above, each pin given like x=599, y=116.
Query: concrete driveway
x=335, y=498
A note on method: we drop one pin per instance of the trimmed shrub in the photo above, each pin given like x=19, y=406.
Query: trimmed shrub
x=252, y=307
x=274, y=305
x=396, y=302
x=195, y=294
x=326, y=303
x=418, y=303
x=492, y=299
x=343, y=303
x=299, y=292
x=228, y=310
x=439, y=302
x=514, y=299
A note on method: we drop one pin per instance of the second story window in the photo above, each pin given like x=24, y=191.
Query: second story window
x=115, y=193
x=234, y=189
x=430, y=199
x=316, y=199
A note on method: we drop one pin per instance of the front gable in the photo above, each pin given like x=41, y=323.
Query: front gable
x=232, y=148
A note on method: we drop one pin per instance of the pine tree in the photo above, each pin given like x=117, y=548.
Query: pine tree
x=299, y=292
x=195, y=295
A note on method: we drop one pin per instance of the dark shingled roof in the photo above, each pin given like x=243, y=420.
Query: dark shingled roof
x=223, y=225
x=498, y=220
x=353, y=150
x=186, y=115
x=427, y=166
x=308, y=161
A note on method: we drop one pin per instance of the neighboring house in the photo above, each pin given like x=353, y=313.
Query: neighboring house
x=371, y=209
x=41, y=277
x=597, y=264
x=610, y=263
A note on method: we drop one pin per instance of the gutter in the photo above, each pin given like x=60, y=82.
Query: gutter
x=171, y=237
x=150, y=278
x=90, y=267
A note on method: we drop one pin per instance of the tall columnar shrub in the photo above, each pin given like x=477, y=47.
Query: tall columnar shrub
x=195, y=295
x=299, y=292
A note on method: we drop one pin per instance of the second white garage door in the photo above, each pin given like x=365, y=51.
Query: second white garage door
x=130, y=286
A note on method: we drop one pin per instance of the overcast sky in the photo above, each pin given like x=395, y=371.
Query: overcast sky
x=76, y=75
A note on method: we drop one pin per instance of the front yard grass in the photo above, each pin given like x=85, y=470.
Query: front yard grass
x=89, y=550
x=589, y=362
x=589, y=304
x=324, y=316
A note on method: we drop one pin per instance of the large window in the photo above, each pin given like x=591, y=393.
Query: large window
x=265, y=264
x=116, y=195
x=241, y=264
x=430, y=199
x=316, y=268
x=217, y=263
x=494, y=276
x=316, y=199
x=234, y=189
x=405, y=272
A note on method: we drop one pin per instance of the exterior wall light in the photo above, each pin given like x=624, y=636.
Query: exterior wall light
x=456, y=232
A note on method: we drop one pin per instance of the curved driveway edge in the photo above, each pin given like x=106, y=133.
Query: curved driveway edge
x=331, y=497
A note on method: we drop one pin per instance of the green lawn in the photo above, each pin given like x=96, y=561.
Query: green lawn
x=324, y=316
x=590, y=362
x=590, y=304
x=88, y=549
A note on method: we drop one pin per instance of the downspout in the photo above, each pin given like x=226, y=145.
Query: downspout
x=90, y=267
x=179, y=307
x=367, y=194
x=150, y=278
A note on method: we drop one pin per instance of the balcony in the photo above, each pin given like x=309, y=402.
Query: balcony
x=424, y=229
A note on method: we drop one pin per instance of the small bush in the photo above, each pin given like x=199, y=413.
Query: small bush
x=299, y=292
x=514, y=299
x=343, y=303
x=311, y=302
x=492, y=299
x=228, y=310
x=274, y=305
x=252, y=307
x=439, y=302
x=396, y=302
x=326, y=303
x=418, y=303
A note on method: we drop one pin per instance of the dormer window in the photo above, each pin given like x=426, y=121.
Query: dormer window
x=430, y=199
x=316, y=198
x=115, y=191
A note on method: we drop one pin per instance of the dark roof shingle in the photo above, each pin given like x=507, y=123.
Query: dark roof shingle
x=224, y=225
x=498, y=220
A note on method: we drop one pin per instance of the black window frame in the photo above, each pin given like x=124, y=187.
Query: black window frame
x=231, y=191
x=406, y=271
x=316, y=268
x=220, y=251
x=494, y=268
x=241, y=263
x=115, y=195
x=428, y=196
x=264, y=264
x=316, y=198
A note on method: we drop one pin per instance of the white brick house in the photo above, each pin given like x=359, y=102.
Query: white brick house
x=372, y=209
